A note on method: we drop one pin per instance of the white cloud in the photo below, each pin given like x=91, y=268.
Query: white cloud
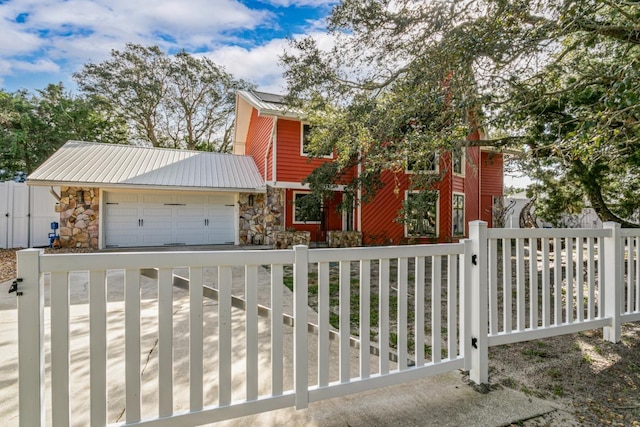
x=311, y=3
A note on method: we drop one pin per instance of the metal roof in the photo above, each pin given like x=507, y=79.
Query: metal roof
x=111, y=165
x=268, y=103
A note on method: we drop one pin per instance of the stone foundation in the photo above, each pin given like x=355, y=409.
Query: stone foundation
x=79, y=211
x=344, y=239
x=261, y=216
x=288, y=239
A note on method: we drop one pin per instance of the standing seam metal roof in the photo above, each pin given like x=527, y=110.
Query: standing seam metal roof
x=114, y=165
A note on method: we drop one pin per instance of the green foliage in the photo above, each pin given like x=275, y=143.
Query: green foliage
x=559, y=82
x=177, y=101
x=34, y=126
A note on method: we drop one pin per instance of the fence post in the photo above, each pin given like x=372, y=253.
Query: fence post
x=300, y=314
x=478, y=339
x=30, y=339
x=465, y=303
x=613, y=268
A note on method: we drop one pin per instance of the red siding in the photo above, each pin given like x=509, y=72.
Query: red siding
x=492, y=183
x=258, y=138
x=290, y=164
x=471, y=187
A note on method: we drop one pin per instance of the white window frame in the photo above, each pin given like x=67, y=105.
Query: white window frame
x=453, y=206
x=437, y=230
x=463, y=164
x=294, y=219
x=304, y=153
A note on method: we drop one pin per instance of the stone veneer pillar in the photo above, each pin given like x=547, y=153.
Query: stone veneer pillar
x=79, y=211
x=261, y=215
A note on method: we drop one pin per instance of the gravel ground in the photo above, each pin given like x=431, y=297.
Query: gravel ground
x=590, y=381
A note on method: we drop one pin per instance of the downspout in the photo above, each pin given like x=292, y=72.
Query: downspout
x=266, y=154
x=54, y=194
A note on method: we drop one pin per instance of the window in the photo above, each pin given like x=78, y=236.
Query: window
x=305, y=141
x=457, y=163
x=458, y=214
x=422, y=163
x=421, y=214
x=307, y=209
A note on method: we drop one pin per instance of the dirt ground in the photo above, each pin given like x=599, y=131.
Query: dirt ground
x=590, y=381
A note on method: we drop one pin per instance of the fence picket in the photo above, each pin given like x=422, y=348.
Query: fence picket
x=557, y=281
x=493, y=286
x=546, y=285
x=132, y=345
x=402, y=313
x=436, y=308
x=60, y=410
x=630, y=275
x=637, y=255
x=383, y=316
x=98, y=346
x=580, y=278
x=520, y=285
x=165, y=342
x=251, y=333
x=569, y=277
x=452, y=307
x=277, y=340
x=323, y=324
x=365, y=308
x=419, y=309
x=345, y=320
x=533, y=283
x=591, y=277
x=224, y=335
x=506, y=286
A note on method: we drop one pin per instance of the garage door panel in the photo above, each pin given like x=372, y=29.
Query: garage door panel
x=150, y=219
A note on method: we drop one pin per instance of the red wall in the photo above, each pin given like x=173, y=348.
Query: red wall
x=290, y=165
x=492, y=183
x=258, y=138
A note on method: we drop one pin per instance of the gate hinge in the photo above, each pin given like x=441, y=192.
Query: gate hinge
x=14, y=286
x=474, y=259
x=474, y=342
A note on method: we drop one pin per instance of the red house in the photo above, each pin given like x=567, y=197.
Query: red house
x=471, y=186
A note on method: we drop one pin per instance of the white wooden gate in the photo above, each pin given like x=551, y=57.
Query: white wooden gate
x=26, y=214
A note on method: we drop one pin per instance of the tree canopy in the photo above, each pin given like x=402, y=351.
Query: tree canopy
x=34, y=126
x=556, y=83
x=176, y=101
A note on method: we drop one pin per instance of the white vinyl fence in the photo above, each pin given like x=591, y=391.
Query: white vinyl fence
x=381, y=316
x=26, y=214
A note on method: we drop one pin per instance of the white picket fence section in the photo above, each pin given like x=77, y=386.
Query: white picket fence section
x=437, y=308
x=26, y=214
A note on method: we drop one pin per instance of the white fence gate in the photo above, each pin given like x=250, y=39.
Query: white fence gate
x=434, y=308
x=26, y=214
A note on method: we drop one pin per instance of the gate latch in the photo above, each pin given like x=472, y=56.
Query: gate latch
x=14, y=287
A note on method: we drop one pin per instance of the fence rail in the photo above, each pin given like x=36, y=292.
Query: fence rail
x=411, y=311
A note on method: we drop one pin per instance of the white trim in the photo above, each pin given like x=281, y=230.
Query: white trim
x=101, y=219
x=293, y=211
x=275, y=150
x=464, y=206
x=142, y=187
x=302, y=153
x=437, y=234
x=298, y=185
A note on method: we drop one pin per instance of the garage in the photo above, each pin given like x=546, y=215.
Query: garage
x=115, y=196
x=165, y=218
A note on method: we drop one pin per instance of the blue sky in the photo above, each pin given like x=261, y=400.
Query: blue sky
x=45, y=41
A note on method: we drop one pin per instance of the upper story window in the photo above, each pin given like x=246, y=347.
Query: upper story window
x=305, y=129
x=307, y=209
x=422, y=163
x=458, y=214
x=421, y=210
x=457, y=163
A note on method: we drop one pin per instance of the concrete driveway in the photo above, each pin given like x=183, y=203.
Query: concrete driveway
x=444, y=400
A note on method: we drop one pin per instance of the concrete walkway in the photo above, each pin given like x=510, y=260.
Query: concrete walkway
x=444, y=400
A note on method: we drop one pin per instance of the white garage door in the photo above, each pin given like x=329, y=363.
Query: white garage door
x=156, y=219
